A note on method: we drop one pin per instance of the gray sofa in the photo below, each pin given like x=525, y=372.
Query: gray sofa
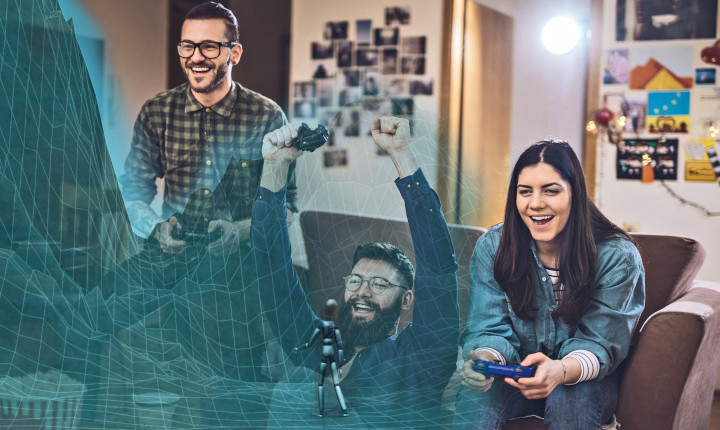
x=669, y=375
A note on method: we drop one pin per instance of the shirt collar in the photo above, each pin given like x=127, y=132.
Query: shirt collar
x=224, y=107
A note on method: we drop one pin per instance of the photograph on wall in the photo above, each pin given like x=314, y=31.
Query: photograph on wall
x=635, y=112
x=330, y=118
x=386, y=36
x=377, y=106
x=363, y=28
x=322, y=50
x=403, y=107
x=304, y=109
x=323, y=69
x=304, y=90
x=698, y=167
x=325, y=91
x=705, y=76
x=661, y=68
x=421, y=86
x=389, y=61
x=668, y=112
x=635, y=157
x=349, y=95
x=335, y=30
x=615, y=69
x=366, y=57
x=413, y=45
x=412, y=65
x=371, y=83
x=394, y=86
x=352, y=123
x=344, y=53
x=349, y=78
x=398, y=15
x=335, y=158
x=665, y=19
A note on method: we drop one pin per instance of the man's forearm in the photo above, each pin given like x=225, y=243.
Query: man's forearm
x=142, y=217
x=274, y=175
x=405, y=162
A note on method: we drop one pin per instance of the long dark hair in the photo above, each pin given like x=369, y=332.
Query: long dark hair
x=515, y=266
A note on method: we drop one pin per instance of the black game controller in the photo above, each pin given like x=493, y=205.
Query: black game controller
x=310, y=140
x=516, y=372
x=196, y=237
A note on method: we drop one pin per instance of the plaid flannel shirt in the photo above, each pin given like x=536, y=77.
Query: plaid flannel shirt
x=191, y=146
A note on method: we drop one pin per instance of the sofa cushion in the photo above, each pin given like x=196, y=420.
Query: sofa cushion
x=671, y=263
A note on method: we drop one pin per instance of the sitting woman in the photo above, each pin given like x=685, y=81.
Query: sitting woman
x=558, y=286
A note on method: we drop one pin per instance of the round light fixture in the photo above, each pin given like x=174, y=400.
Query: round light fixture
x=560, y=35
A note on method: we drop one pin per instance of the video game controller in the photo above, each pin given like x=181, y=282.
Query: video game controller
x=516, y=372
x=310, y=140
x=195, y=237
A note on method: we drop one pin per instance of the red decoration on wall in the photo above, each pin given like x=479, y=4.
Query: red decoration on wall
x=711, y=54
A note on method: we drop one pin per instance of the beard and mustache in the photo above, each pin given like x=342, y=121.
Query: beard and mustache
x=220, y=72
x=357, y=332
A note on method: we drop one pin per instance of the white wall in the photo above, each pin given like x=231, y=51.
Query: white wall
x=365, y=185
x=548, y=90
x=135, y=63
x=650, y=206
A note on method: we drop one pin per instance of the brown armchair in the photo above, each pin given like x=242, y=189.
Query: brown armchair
x=669, y=375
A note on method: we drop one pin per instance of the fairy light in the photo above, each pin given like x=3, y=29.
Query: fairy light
x=591, y=127
x=714, y=129
x=621, y=122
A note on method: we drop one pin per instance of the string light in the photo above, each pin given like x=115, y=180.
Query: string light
x=714, y=129
x=591, y=127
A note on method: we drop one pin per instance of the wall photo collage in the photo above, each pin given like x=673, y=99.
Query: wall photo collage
x=664, y=96
x=361, y=70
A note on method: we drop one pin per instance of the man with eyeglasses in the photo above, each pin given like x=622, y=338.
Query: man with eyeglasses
x=191, y=134
x=401, y=374
x=205, y=139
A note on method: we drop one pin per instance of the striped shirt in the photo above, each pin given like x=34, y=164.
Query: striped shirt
x=191, y=146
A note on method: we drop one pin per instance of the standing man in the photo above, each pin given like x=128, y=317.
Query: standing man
x=205, y=139
x=396, y=376
x=189, y=135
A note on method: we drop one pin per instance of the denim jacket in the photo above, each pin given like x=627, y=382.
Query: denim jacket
x=604, y=329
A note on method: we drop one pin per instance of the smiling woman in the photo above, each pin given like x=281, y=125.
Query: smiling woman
x=556, y=285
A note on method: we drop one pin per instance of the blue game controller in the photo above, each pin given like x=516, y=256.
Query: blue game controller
x=516, y=372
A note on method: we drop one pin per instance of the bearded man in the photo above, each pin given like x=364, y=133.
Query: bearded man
x=402, y=371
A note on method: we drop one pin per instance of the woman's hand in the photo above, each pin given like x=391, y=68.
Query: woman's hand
x=549, y=374
x=475, y=382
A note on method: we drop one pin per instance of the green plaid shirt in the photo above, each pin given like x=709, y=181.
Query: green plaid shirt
x=191, y=146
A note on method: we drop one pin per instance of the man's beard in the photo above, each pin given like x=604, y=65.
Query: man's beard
x=220, y=73
x=356, y=332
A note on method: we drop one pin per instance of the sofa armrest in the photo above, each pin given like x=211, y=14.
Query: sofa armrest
x=670, y=372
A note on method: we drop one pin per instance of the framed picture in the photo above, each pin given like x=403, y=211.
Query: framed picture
x=335, y=30
x=386, y=36
x=366, y=57
x=398, y=15
x=389, y=61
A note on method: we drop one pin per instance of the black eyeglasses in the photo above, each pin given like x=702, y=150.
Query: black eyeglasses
x=209, y=50
x=377, y=285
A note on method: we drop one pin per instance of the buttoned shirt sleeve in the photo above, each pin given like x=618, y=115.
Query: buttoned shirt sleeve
x=606, y=326
x=431, y=338
x=284, y=301
x=143, y=164
x=489, y=321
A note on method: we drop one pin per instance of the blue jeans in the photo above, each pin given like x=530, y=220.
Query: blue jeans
x=586, y=405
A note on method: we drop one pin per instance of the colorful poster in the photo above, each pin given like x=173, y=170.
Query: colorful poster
x=668, y=112
x=661, y=68
x=698, y=167
x=635, y=154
